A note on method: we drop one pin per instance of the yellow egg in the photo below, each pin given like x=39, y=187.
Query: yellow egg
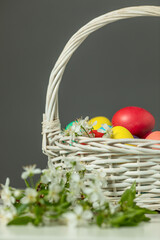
x=100, y=120
x=121, y=132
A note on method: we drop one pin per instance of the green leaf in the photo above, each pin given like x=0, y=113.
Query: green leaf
x=147, y=211
x=119, y=219
x=21, y=221
x=21, y=208
x=127, y=199
x=65, y=205
x=99, y=220
x=130, y=217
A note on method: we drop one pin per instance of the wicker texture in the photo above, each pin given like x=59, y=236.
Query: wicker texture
x=124, y=160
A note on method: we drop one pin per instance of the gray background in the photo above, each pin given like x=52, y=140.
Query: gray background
x=115, y=67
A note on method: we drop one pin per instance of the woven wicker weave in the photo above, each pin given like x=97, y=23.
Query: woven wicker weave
x=123, y=163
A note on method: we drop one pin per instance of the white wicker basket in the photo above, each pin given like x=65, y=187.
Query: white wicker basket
x=123, y=163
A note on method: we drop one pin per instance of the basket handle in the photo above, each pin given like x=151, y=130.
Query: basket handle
x=51, y=123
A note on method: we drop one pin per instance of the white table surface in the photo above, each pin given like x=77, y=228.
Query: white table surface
x=147, y=231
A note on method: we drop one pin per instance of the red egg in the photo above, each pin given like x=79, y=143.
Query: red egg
x=137, y=120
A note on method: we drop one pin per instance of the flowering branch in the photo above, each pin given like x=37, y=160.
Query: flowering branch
x=63, y=197
x=82, y=127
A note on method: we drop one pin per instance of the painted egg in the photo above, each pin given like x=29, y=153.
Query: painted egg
x=100, y=120
x=154, y=136
x=104, y=128
x=69, y=125
x=96, y=133
x=137, y=120
x=120, y=132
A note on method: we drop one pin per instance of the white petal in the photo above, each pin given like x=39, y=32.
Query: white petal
x=6, y=215
x=86, y=118
x=95, y=205
x=45, y=179
x=94, y=197
x=88, y=190
x=87, y=214
x=17, y=193
x=24, y=175
x=79, y=167
x=31, y=192
x=75, y=177
x=13, y=200
x=24, y=200
x=58, y=189
x=37, y=171
x=7, y=182
x=78, y=210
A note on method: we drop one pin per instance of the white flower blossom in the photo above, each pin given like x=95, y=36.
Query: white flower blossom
x=54, y=191
x=76, y=128
x=76, y=182
x=30, y=196
x=94, y=193
x=69, y=164
x=17, y=193
x=51, y=165
x=72, y=195
x=47, y=176
x=75, y=177
x=81, y=127
x=52, y=175
x=74, y=192
x=6, y=194
x=85, y=124
x=76, y=187
x=6, y=214
x=80, y=187
x=82, y=214
x=30, y=171
x=78, y=217
x=100, y=177
x=99, y=205
x=79, y=167
x=106, y=130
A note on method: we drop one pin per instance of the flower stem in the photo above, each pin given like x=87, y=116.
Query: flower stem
x=92, y=132
x=85, y=131
x=31, y=181
x=27, y=183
